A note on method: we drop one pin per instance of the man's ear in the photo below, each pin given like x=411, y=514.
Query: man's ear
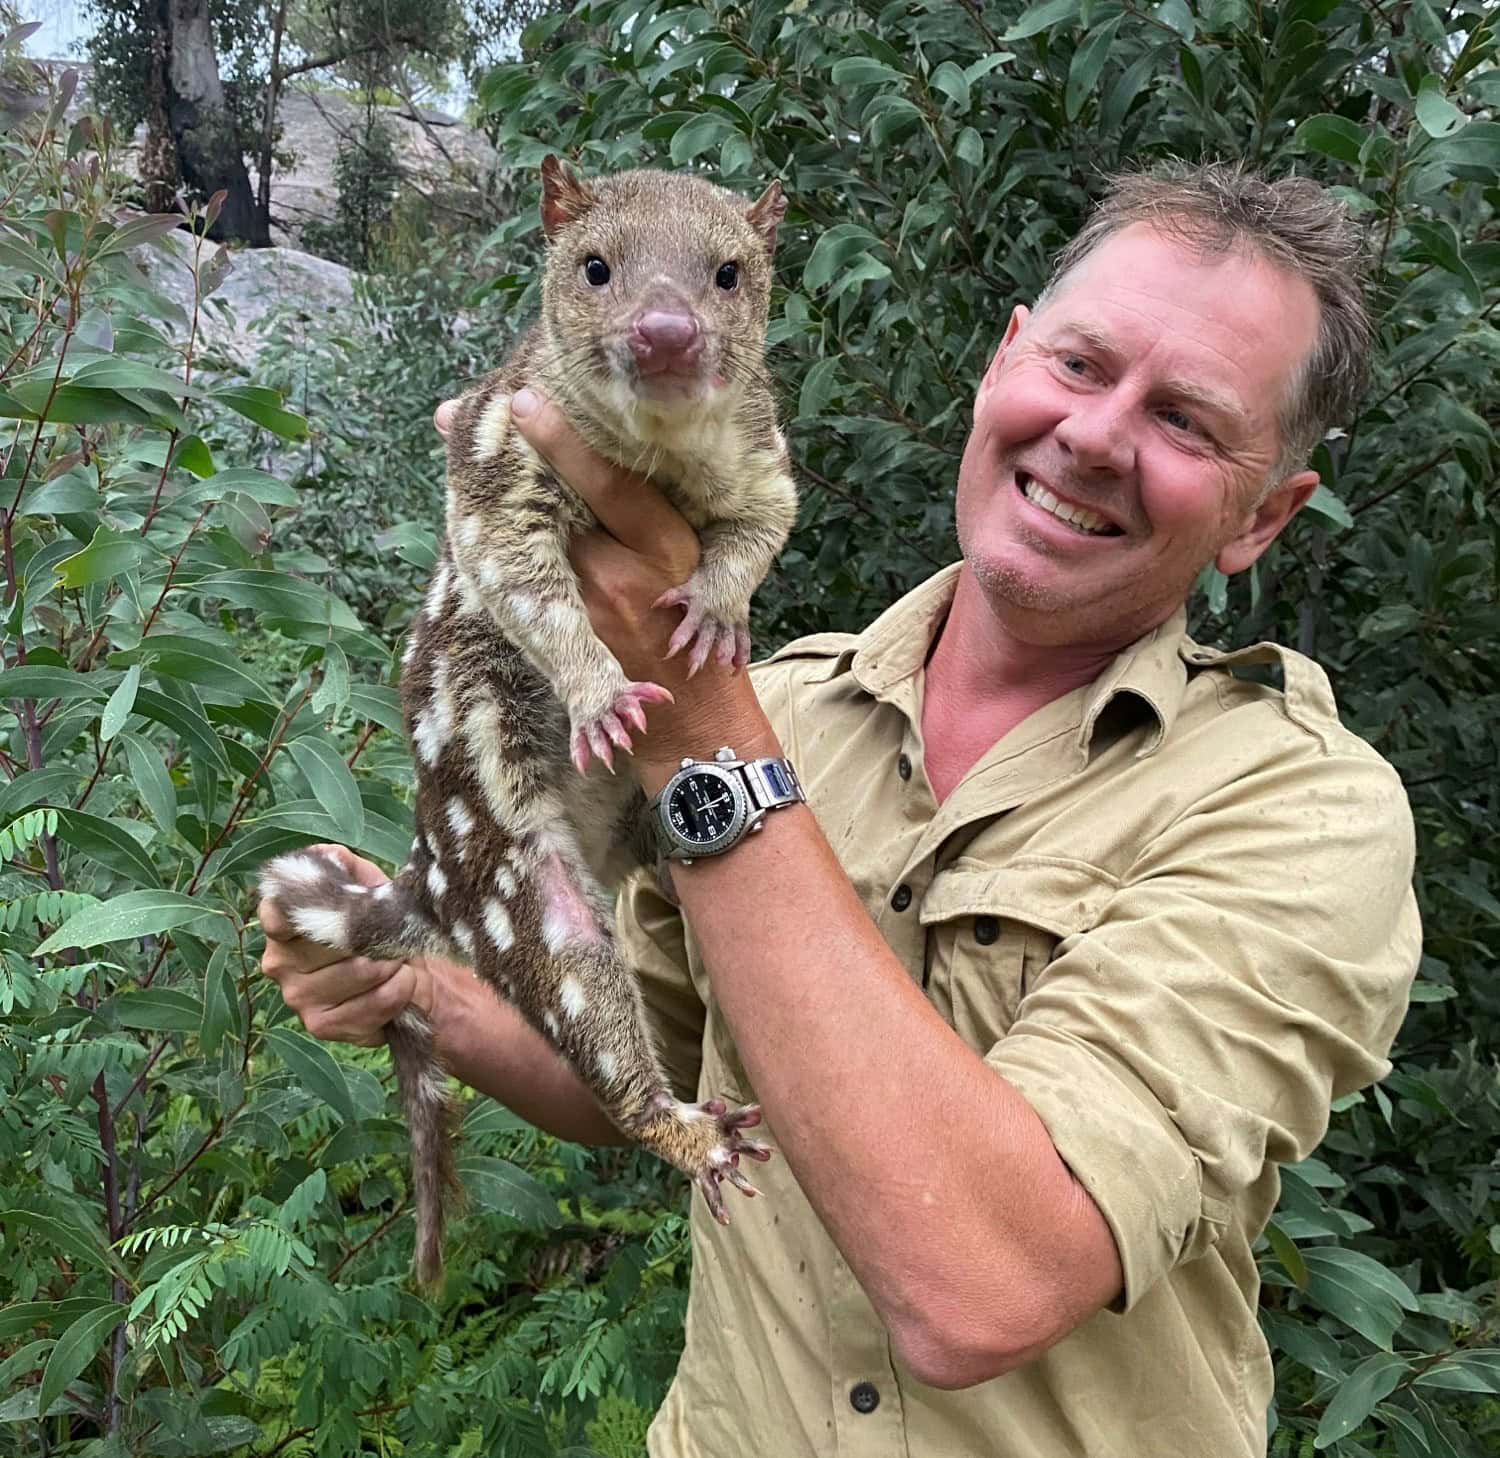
x=1018, y=317
x=1263, y=525
x=564, y=197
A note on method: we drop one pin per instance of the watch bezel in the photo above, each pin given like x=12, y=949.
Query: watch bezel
x=725, y=838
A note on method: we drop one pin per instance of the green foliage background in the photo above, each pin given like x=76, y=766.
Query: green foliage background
x=204, y=1227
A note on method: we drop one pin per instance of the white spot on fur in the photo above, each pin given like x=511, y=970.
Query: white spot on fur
x=572, y=998
x=411, y=651
x=469, y=600
x=553, y=1026
x=497, y=924
x=433, y=1087
x=385, y=890
x=303, y=870
x=517, y=809
x=524, y=605
x=609, y=1066
x=437, y=594
x=322, y=924
x=437, y=882
x=356, y=890
x=505, y=881
x=461, y=934
x=468, y=531
x=460, y=821
x=491, y=428
x=434, y=726
x=490, y=574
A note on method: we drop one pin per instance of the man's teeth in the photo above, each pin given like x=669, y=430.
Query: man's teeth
x=1038, y=495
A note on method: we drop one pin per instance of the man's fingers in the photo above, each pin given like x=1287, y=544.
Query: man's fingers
x=442, y=417
x=629, y=507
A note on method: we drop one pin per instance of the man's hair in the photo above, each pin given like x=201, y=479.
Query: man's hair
x=1294, y=224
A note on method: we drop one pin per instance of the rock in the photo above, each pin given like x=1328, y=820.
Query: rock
x=320, y=293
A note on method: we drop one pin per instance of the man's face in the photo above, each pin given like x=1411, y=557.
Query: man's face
x=1142, y=398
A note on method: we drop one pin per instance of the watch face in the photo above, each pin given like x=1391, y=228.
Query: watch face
x=703, y=808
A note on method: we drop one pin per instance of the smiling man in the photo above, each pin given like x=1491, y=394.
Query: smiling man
x=1079, y=932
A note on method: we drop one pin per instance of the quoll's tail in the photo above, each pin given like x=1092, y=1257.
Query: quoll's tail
x=325, y=904
x=432, y=1118
x=321, y=902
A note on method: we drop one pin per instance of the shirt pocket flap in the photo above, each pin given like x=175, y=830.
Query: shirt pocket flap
x=1059, y=896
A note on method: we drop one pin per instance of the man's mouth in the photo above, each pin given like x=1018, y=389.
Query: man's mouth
x=1080, y=518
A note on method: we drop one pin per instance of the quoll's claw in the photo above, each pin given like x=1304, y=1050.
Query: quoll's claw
x=723, y=1161
x=728, y=642
x=599, y=737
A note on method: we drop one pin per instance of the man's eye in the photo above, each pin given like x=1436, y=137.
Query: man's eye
x=1180, y=420
x=1075, y=364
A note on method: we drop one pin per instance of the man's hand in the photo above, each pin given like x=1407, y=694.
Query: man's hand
x=644, y=548
x=341, y=998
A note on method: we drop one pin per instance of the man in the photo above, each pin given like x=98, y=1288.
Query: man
x=1079, y=933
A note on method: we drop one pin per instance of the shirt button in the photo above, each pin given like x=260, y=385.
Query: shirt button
x=900, y=900
x=864, y=1397
x=986, y=929
x=903, y=767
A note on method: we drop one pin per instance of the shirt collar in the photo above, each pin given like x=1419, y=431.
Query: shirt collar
x=1152, y=671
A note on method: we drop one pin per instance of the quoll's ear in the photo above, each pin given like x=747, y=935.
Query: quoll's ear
x=766, y=212
x=564, y=197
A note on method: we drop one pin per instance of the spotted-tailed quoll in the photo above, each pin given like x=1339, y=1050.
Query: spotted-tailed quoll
x=655, y=295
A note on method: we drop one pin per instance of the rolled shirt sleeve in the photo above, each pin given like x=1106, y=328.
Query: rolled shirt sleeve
x=1252, y=967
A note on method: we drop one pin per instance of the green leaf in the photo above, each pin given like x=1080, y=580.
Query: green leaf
x=695, y=137
x=40, y=682
x=109, y=844
x=1325, y=504
x=279, y=596
x=152, y=780
x=1358, y=1291
x=1376, y=1377
x=117, y=710
x=839, y=246
x=264, y=407
x=817, y=388
x=1041, y=17
x=1438, y=116
x=72, y=1240
x=970, y=147
x=499, y=1185
x=333, y=692
x=1472, y=1371
x=69, y=493
x=1087, y=64
x=314, y=1067
x=949, y=78
x=1334, y=136
x=124, y=918
x=145, y=228
x=854, y=71
x=108, y=555
x=412, y=542
x=75, y=1349
x=331, y=783
x=189, y=724
x=193, y=455
x=1287, y=1253
x=196, y=661
x=221, y=1003
x=159, y=1010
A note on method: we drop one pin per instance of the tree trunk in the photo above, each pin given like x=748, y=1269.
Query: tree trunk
x=268, y=124
x=207, y=142
x=158, y=159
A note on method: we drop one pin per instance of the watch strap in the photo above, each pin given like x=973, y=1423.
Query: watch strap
x=772, y=783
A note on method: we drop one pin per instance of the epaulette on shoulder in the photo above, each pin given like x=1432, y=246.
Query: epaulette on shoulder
x=816, y=645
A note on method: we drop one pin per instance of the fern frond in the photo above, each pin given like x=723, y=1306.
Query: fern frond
x=25, y=831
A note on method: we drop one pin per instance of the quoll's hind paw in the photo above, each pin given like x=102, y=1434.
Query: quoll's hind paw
x=708, y=634
x=598, y=737
x=723, y=1159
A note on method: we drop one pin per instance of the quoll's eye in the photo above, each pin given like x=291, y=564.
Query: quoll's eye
x=596, y=271
x=728, y=276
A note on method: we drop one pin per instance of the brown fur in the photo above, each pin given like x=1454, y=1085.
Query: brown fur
x=517, y=852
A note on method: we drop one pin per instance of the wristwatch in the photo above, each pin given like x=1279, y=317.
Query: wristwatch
x=710, y=805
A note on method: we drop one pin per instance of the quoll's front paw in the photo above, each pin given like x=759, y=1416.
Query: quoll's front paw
x=723, y=1157
x=726, y=635
x=598, y=735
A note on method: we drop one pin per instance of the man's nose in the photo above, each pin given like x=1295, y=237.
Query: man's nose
x=1097, y=433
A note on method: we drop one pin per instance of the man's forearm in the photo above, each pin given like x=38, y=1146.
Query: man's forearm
x=488, y=1045
x=934, y=1176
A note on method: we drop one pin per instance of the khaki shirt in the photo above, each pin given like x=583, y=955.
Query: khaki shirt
x=1173, y=909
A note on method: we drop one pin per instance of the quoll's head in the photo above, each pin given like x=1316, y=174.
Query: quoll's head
x=660, y=281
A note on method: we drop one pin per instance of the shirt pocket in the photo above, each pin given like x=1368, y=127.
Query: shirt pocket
x=991, y=931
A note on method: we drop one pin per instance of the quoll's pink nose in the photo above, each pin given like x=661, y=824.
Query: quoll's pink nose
x=662, y=341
